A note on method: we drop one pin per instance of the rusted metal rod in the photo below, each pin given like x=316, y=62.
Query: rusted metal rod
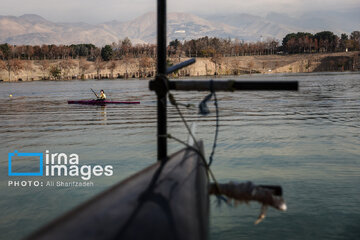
x=231, y=85
x=180, y=65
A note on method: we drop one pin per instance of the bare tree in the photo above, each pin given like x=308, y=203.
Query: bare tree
x=126, y=46
x=95, y=53
x=251, y=65
x=29, y=52
x=128, y=61
x=206, y=69
x=308, y=65
x=99, y=65
x=13, y=65
x=44, y=67
x=2, y=65
x=83, y=66
x=66, y=66
x=144, y=65
x=112, y=66
x=44, y=51
x=355, y=38
x=234, y=65
x=216, y=59
x=28, y=67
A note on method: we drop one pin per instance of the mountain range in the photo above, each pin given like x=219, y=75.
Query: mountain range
x=35, y=30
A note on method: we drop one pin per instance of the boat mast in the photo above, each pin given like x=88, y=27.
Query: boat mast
x=161, y=85
x=161, y=81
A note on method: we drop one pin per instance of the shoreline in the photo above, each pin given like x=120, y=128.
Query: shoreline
x=140, y=68
x=205, y=78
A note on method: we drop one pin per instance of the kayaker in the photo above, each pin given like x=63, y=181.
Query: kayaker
x=102, y=95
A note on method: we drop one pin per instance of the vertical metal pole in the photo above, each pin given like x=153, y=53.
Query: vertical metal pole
x=161, y=37
x=161, y=72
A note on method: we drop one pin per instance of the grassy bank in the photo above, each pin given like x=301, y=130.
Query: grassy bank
x=26, y=70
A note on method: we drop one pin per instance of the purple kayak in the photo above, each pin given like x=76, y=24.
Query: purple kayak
x=100, y=102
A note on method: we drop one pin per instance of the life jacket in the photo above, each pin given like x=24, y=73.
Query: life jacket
x=102, y=96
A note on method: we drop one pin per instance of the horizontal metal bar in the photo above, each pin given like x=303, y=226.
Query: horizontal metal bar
x=231, y=85
x=180, y=65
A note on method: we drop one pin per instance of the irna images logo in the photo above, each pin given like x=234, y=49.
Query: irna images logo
x=55, y=164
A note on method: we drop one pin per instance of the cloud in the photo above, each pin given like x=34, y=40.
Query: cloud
x=96, y=11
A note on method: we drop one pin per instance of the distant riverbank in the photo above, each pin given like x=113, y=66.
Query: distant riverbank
x=68, y=69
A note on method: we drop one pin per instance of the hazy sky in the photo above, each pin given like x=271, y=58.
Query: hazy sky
x=96, y=11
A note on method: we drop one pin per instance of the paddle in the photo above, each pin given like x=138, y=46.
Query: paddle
x=94, y=93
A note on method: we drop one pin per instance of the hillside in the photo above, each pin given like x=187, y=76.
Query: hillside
x=35, y=30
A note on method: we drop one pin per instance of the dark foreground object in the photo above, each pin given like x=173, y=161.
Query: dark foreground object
x=99, y=102
x=164, y=201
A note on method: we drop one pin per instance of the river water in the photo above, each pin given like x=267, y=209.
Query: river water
x=308, y=142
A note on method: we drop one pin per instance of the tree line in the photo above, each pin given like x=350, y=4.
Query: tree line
x=292, y=43
x=115, y=51
x=324, y=41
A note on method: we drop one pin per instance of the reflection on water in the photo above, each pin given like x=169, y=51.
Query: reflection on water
x=306, y=141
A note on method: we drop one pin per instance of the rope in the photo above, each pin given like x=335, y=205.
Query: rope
x=216, y=129
x=202, y=104
x=204, y=110
x=173, y=102
x=202, y=158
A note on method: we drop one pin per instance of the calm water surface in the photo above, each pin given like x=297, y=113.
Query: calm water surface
x=306, y=141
